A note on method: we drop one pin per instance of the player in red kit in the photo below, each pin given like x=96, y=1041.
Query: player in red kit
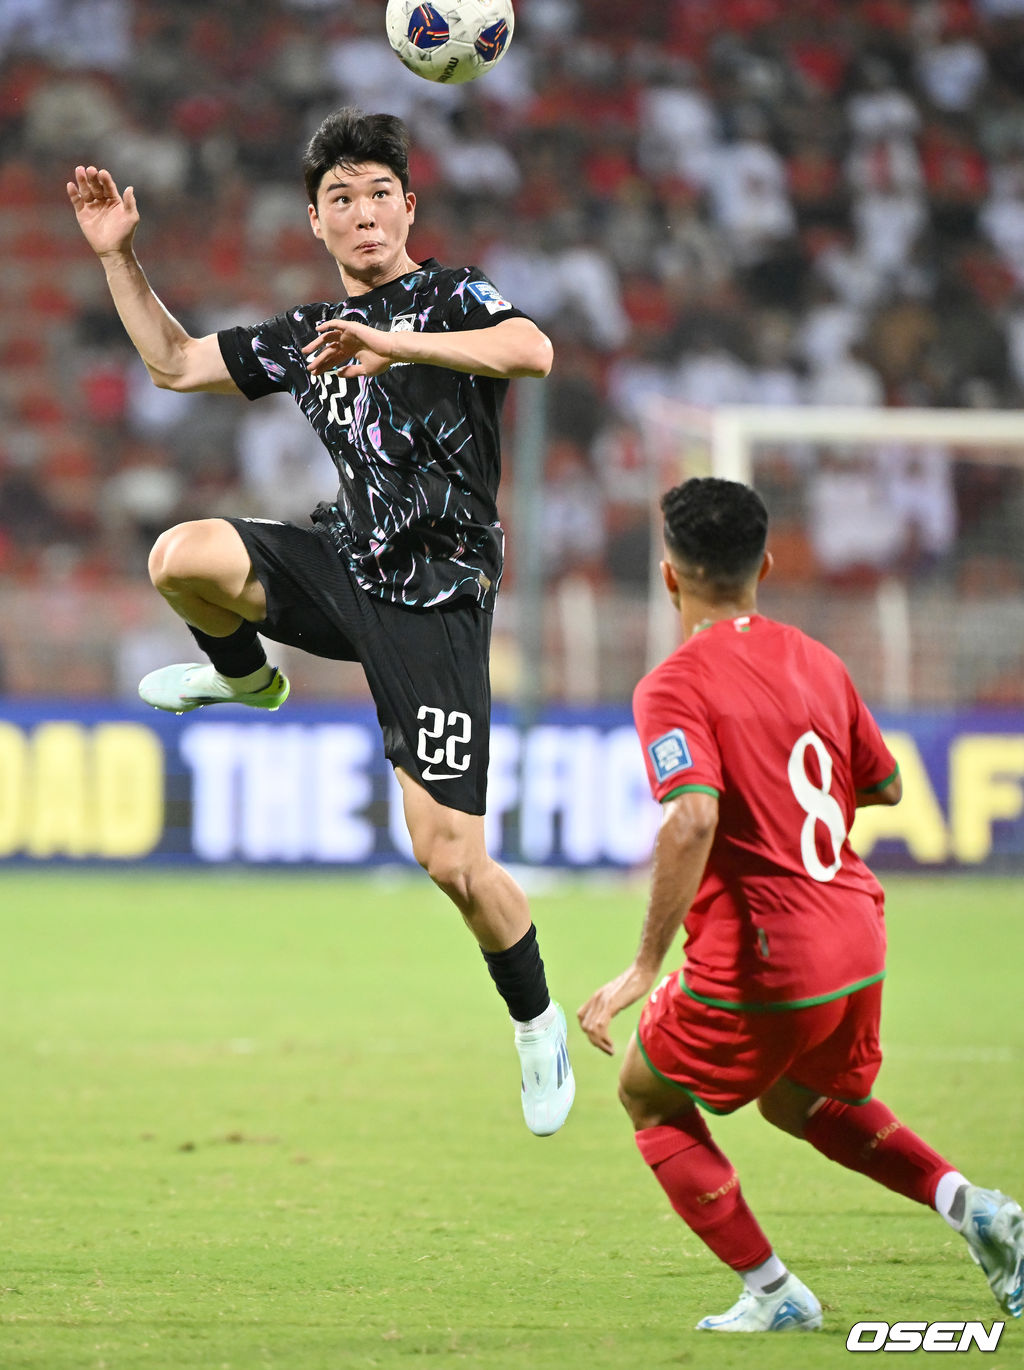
x=760, y=750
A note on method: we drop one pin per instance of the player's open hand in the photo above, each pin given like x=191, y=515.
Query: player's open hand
x=349, y=349
x=106, y=217
x=597, y=1013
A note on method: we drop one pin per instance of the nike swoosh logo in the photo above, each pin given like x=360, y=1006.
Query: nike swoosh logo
x=208, y=699
x=428, y=774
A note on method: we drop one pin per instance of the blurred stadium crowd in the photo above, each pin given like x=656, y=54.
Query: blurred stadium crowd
x=770, y=202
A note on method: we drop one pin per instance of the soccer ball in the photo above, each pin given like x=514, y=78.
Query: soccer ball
x=450, y=40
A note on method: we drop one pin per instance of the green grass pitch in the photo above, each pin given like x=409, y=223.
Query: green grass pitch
x=264, y=1120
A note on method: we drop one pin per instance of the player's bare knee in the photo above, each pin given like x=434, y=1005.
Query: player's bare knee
x=638, y=1108
x=627, y=1100
x=447, y=865
x=158, y=559
x=453, y=857
x=450, y=877
x=768, y=1111
x=786, y=1108
x=170, y=560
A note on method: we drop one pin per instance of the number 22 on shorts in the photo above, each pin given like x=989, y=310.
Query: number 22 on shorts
x=459, y=729
x=818, y=804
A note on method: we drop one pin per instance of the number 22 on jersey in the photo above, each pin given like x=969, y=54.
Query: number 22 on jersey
x=452, y=734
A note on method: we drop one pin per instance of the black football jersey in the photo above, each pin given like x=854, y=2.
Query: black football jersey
x=417, y=449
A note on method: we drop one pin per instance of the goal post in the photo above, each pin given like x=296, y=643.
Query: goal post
x=735, y=431
x=898, y=536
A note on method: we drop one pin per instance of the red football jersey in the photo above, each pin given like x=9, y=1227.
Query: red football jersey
x=768, y=720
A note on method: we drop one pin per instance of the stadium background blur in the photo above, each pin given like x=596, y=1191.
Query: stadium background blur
x=737, y=202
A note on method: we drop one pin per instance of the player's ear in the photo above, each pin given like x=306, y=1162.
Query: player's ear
x=668, y=575
x=766, y=566
x=314, y=220
x=410, y=206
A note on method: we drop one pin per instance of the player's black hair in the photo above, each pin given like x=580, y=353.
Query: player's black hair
x=347, y=138
x=716, y=529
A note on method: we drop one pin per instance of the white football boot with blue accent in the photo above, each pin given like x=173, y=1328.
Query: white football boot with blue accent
x=179, y=689
x=993, y=1227
x=790, y=1308
x=549, y=1085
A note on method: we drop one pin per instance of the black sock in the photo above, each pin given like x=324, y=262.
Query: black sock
x=518, y=973
x=238, y=654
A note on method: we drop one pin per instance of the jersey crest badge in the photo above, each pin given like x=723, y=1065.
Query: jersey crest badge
x=489, y=296
x=670, y=754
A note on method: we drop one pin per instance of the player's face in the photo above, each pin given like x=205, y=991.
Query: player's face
x=363, y=218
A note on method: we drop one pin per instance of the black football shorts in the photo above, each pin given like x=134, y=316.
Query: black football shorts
x=428, y=669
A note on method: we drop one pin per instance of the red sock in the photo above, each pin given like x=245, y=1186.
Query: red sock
x=704, y=1189
x=869, y=1138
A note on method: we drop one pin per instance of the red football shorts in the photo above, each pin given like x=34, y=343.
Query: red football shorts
x=725, y=1059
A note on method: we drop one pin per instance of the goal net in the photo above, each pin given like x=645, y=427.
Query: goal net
x=898, y=538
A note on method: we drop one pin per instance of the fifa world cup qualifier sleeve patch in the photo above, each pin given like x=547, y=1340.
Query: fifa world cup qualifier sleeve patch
x=670, y=755
x=489, y=296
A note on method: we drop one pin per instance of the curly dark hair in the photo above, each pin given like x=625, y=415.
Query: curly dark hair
x=716, y=529
x=347, y=138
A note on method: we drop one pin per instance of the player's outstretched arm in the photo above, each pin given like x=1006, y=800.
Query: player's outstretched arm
x=515, y=347
x=680, y=855
x=108, y=220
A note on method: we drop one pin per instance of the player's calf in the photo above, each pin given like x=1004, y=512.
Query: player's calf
x=449, y=845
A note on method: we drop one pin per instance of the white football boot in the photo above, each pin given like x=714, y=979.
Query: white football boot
x=993, y=1227
x=790, y=1308
x=549, y=1085
x=178, y=689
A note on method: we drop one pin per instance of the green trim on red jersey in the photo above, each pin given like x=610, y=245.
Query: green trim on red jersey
x=783, y=1006
x=690, y=789
x=816, y=1094
x=719, y=1112
x=874, y=789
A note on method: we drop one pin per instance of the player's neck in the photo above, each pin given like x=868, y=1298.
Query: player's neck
x=697, y=614
x=358, y=282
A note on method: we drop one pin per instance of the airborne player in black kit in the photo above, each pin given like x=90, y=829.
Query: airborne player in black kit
x=403, y=379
